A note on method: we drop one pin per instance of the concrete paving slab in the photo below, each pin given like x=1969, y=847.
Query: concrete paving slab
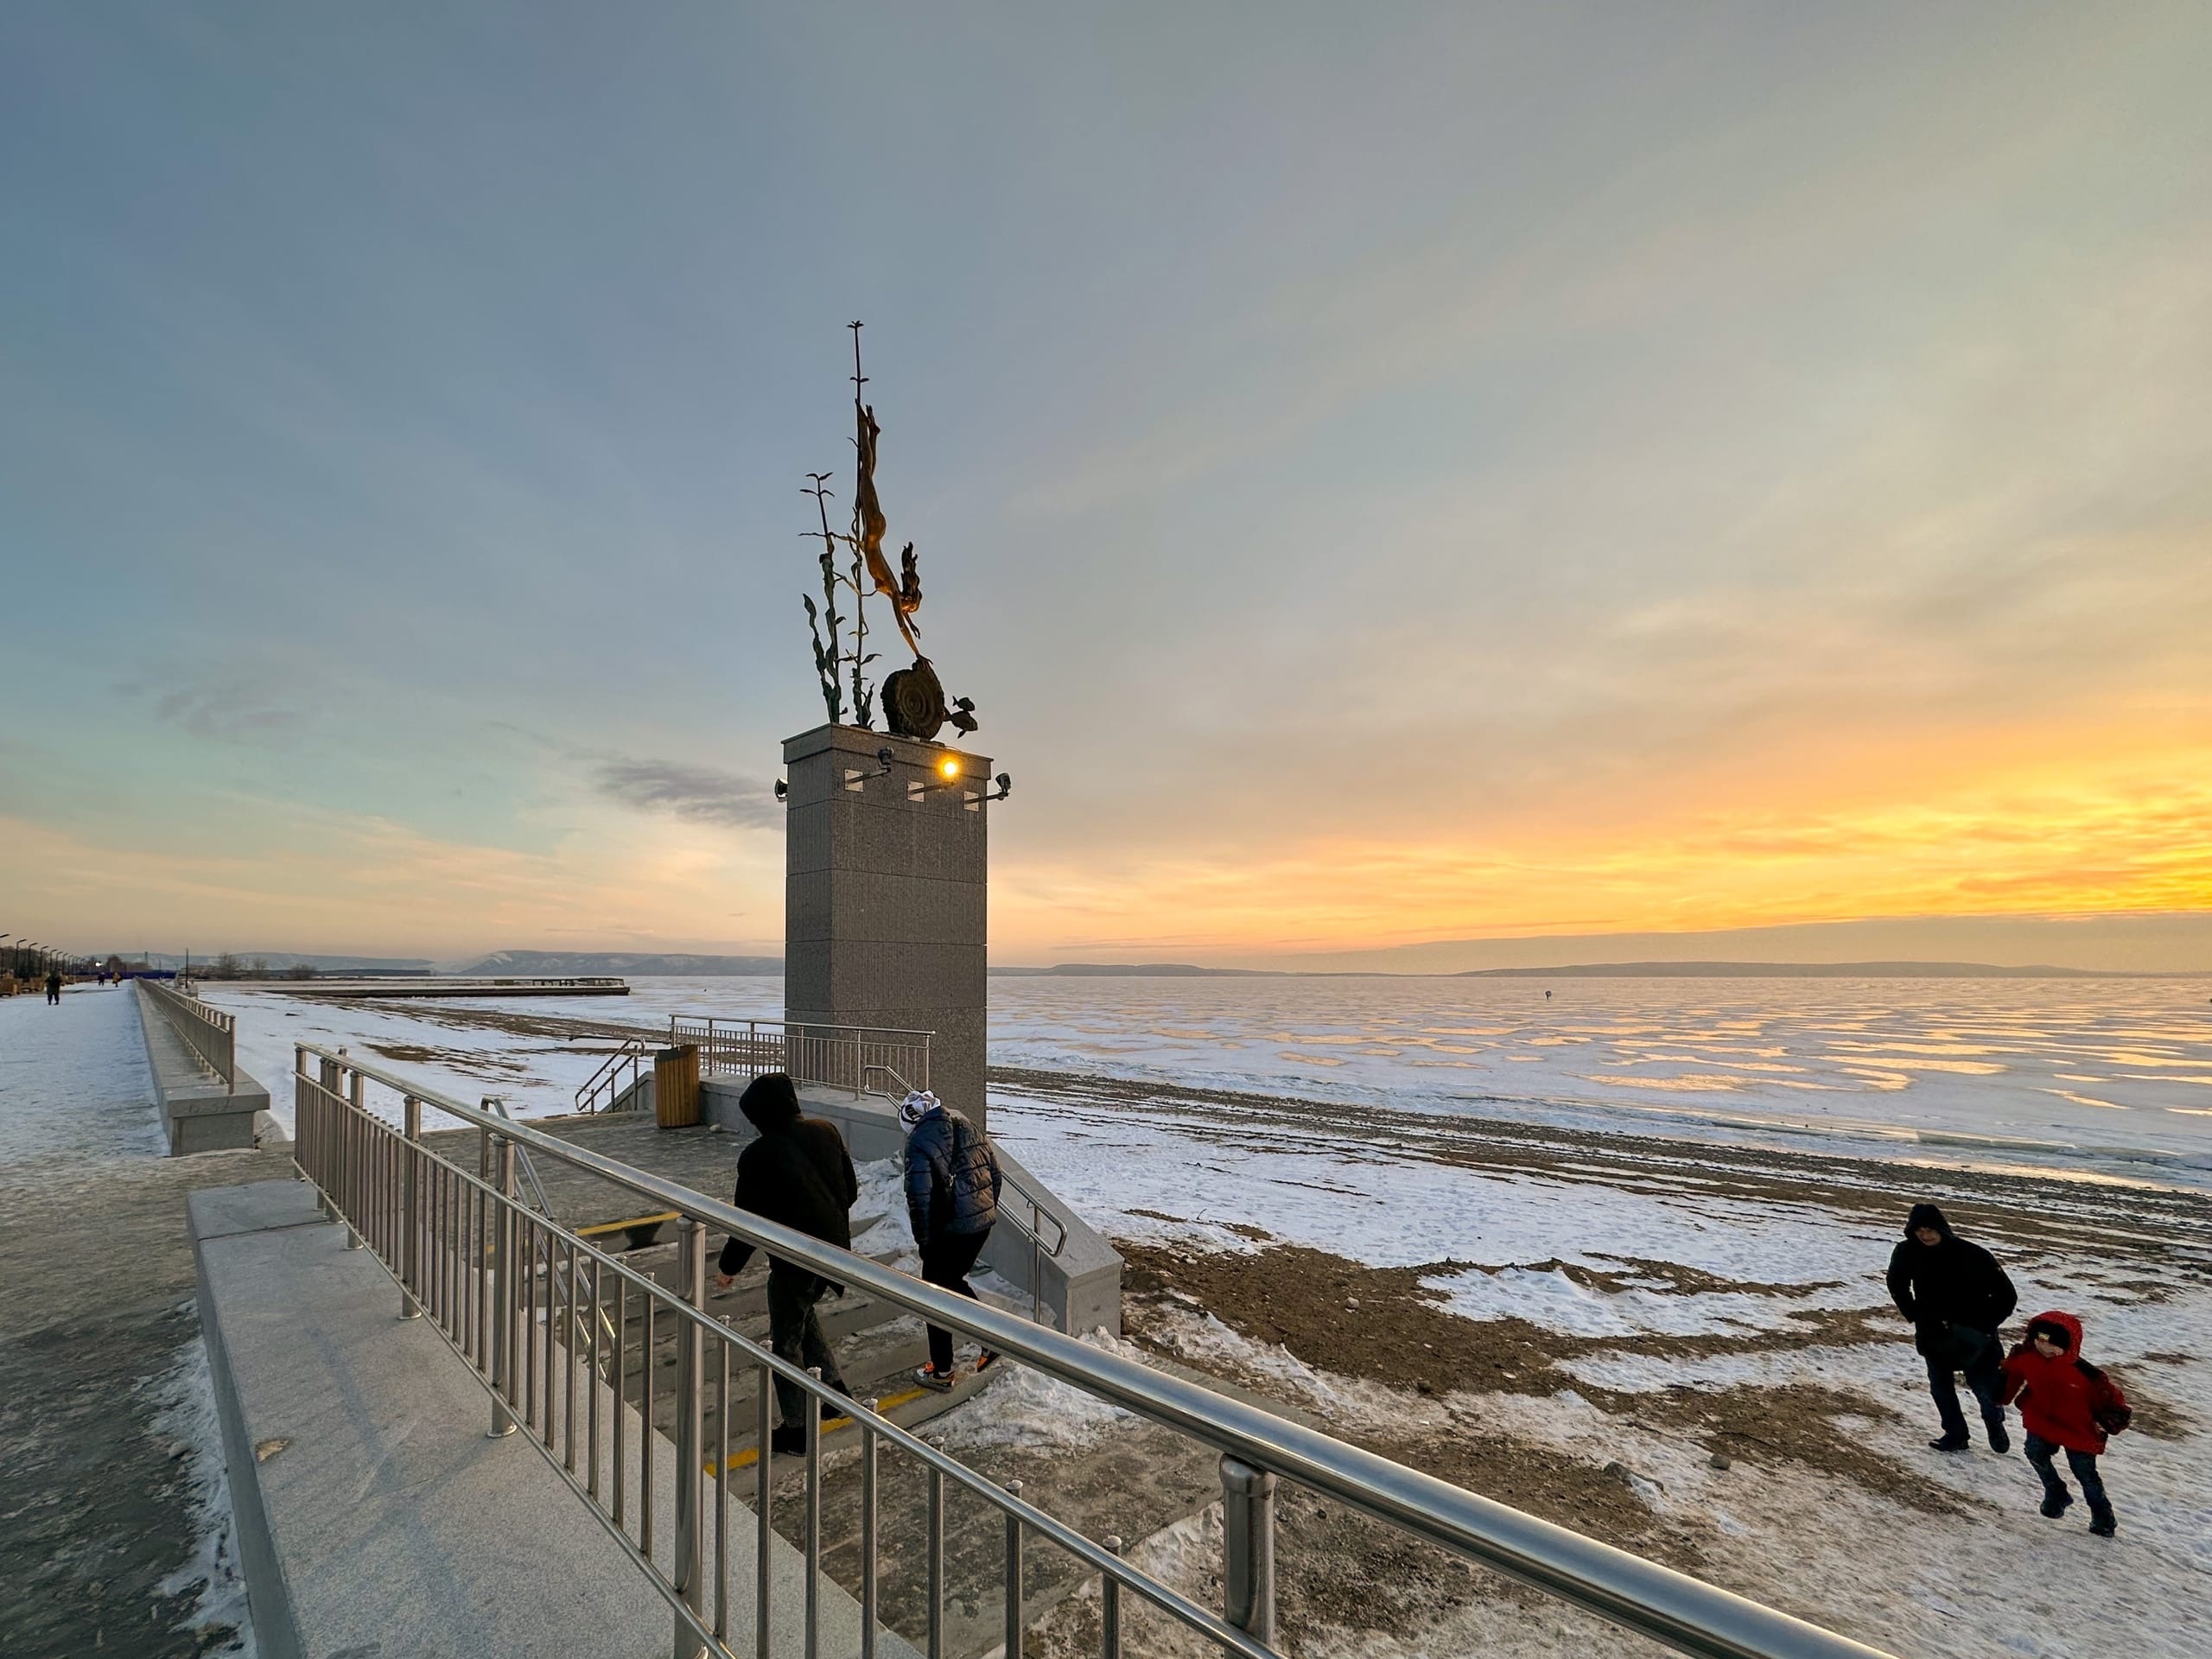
x=263, y=1206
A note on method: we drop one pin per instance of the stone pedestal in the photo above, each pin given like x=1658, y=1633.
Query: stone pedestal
x=885, y=888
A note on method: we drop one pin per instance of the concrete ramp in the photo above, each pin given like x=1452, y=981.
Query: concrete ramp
x=375, y=1516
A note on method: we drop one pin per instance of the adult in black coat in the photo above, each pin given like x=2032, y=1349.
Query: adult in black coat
x=1956, y=1297
x=799, y=1175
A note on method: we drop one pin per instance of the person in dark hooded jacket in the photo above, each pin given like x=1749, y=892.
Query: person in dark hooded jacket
x=1956, y=1297
x=797, y=1173
x=952, y=1203
x=2066, y=1403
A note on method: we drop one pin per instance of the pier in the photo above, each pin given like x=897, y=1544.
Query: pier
x=384, y=989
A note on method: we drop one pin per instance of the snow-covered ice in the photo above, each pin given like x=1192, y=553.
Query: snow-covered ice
x=2068, y=1073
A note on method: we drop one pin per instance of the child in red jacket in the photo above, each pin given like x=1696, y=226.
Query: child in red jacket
x=2067, y=1402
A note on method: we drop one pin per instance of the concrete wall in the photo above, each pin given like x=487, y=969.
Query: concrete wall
x=885, y=896
x=1082, y=1287
x=199, y=1113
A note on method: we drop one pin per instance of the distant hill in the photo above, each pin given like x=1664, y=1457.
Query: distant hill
x=1139, y=970
x=1784, y=970
x=278, y=961
x=635, y=964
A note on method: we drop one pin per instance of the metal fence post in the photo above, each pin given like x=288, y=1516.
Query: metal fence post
x=330, y=1139
x=302, y=1155
x=356, y=1160
x=1015, y=1623
x=1109, y=1604
x=692, y=1265
x=502, y=1290
x=411, y=1248
x=1249, y=1569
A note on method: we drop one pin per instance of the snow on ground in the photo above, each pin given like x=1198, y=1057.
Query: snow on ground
x=1995, y=1579
x=538, y=1076
x=1027, y=1409
x=1552, y=1297
x=73, y=1082
x=1126, y=1171
x=184, y=1403
x=880, y=1224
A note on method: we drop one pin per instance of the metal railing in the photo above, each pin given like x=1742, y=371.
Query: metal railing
x=836, y=1056
x=211, y=1034
x=616, y=1076
x=466, y=1253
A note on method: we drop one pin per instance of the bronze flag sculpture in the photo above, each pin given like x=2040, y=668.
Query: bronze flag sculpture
x=914, y=703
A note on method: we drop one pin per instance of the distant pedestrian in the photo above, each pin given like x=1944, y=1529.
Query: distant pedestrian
x=952, y=1202
x=798, y=1174
x=2065, y=1403
x=54, y=990
x=1957, y=1298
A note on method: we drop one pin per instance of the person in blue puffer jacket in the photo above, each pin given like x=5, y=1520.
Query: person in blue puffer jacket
x=952, y=1201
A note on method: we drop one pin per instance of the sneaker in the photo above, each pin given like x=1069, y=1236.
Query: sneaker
x=1950, y=1443
x=1999, y=1441
x=2105, y=1525
x=930, y=1377
x=788, y=1440
x=985, y=1360
x=2057, y=1504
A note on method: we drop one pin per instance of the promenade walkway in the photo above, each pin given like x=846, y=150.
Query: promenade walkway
x=97, y=1313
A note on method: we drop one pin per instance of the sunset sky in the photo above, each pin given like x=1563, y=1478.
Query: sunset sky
x=1386, y=474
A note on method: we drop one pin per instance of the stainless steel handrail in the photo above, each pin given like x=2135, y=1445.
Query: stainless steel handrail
x=211, y=1034
x=810, y=1050
x=609, y=1079
x=1257, y=1445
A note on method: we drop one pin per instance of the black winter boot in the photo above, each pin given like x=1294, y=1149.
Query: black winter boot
x=2055, y=1504
x=1951, y=1443
x=1999, y=1441
x=2104, y=1523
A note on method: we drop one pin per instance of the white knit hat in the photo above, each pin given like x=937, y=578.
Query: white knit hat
x=915, y=1107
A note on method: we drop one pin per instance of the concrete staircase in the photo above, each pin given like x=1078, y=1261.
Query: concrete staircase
x=879, y=1349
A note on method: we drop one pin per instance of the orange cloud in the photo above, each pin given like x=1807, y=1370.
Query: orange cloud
x=2101, y=829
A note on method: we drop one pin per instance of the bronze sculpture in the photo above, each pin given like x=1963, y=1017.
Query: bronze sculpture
x=914, y=703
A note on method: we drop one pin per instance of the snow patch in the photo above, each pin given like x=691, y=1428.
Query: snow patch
x=1028, y=1408
x=184, y=1402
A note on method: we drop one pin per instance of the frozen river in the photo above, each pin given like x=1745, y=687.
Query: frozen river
x=2090, y=1073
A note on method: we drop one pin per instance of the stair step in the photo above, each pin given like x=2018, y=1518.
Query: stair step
x=909, y=1407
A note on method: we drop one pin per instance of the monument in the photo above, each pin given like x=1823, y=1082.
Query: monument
x=886, y=849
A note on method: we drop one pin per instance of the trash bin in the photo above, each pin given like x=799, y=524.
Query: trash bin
x=675, y=1086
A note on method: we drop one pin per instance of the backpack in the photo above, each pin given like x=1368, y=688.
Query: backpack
x=2107, y=1410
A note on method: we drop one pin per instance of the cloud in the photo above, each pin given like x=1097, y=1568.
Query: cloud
x=703, y=794
x=226, y=708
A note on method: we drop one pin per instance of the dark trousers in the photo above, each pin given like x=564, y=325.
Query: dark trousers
x=1984, y=1374
x=2084, y=1465
x=947, y=1260
x=795, y=1334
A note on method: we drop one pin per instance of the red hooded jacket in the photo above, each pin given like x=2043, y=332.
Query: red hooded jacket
x=2059, y=1398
